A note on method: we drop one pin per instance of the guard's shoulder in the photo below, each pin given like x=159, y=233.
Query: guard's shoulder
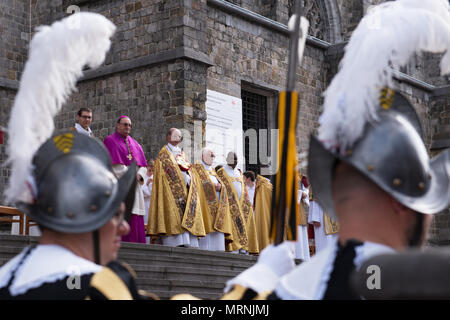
x=116, y=281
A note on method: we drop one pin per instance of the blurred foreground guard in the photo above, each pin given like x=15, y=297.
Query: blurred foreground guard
x=369, y=167
x=65, y=183
x=80, y=210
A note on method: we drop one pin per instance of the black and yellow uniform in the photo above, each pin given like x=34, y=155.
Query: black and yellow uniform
x=31, y=276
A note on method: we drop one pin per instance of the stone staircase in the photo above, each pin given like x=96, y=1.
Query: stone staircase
x=164, y=271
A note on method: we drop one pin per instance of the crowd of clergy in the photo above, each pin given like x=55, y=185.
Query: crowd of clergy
x=221, y=208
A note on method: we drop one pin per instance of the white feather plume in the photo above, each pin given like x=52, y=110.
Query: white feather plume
x=303, y=34
x=384, y=40
x=56, y=59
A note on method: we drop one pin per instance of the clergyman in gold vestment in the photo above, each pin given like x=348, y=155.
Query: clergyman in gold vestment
x=244, y=229
x=260, y=193
x=175, y=212
x=214, y=203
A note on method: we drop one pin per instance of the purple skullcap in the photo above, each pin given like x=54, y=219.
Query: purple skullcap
x=118, y=120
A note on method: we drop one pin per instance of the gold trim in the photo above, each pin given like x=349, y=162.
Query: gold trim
x=148, y=295
x=236, y=293
x=239, y=222
x=386, y=98
x=217, y=207
x=110, y=285
x=129, y=269
x=330, y=226
x=263, y=295
x=184, y=296
x=175, y=178
x=64, y=142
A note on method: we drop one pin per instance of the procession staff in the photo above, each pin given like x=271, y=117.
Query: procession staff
x=285, y=187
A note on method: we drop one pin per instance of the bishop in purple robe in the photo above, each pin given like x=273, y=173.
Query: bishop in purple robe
x=124, y=150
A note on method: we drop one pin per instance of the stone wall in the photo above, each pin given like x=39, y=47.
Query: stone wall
x=14, y=35
x=14, y=28
x=440, y=117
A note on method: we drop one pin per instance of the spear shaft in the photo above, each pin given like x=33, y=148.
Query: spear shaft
x=284, y=196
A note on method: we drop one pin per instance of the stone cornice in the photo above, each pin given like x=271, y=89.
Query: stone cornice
x=263, y=21
x=153, y=59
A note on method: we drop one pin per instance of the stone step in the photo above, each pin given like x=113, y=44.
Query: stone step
x=136, y=253
x=150, y=258
x=176, y=252
x=183, y=273
x=201, y=263
x=22, y=241
x=17, y=241
x=152, y=284
x=10, y=250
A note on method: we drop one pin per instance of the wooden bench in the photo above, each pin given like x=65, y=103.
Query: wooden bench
x=13, y=215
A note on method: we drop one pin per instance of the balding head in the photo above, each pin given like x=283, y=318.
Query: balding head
x=208, y=156
x=174, y=136
x=368, y=213
x=232, y=159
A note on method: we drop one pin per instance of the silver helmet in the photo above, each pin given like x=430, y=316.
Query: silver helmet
x=391, y=153
x=77, y=190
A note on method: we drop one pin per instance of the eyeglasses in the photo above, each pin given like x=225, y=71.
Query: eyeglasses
x=86, y=117
x=126, y=124
x=119, y=216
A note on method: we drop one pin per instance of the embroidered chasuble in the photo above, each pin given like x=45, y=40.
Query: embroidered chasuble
x=302, y=218
x=173, y=207
x=243, y=226
x=330, y=226
x=215, y=210
x=262, y=205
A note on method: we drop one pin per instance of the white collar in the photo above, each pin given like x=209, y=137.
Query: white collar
x=309, y=280
x=233, y=172
x=82, y=130
x=44, y=264
x=173, y=149
x=252, y=188
x=209, y=168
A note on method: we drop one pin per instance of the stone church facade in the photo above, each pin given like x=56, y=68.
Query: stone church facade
x=166, y=54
